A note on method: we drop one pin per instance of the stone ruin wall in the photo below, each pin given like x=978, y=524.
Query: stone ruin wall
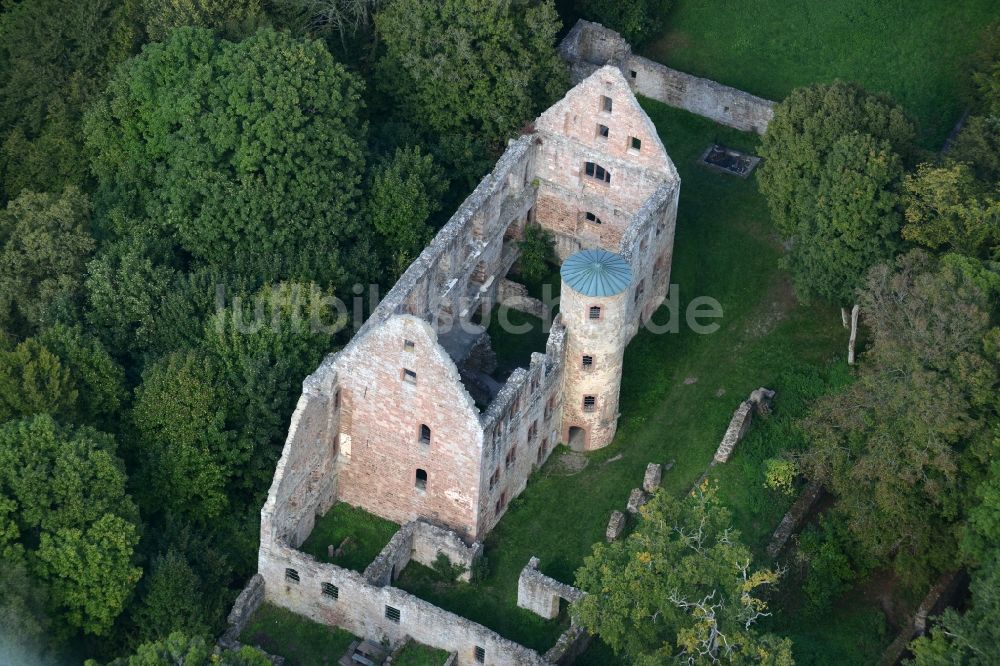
x=541, y=594
x=305, y=479
x=378, y=469
x=421, y=542
x=530, y=403
x=590, y=45
x=360, y=607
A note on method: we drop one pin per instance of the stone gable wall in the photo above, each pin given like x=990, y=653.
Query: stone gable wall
x=387, y=411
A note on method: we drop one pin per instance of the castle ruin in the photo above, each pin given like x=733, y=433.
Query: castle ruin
x=390, y=424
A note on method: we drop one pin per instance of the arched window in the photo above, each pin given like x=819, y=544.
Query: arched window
x=597, y=172
x=595, y=312
x=425, y=434
x=421, y=482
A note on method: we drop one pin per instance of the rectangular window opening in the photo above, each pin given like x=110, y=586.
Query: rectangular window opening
x=587, y=362
x=635, y=143
x=595, y=312
x=331, y=590
x=589, y=403
x=603, y=131
x=392, y=614
x=597, y=172
x=409, y=376
x=480, y=655
x=606, y=104
x=292, y=575
x=409, y=345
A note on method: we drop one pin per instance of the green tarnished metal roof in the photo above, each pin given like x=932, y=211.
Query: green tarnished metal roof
x=597, y=273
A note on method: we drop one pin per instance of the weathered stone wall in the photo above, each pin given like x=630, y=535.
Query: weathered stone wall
x=515, y=295
x=305, y=479
x=420, y=541
x=541, y=594
x=723, y=104
x=379, y=473
x=590, y=45
x=521, y=428
x=360, y=607
x=760, y=402
x=246, y=604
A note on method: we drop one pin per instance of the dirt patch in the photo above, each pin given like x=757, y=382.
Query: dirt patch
x=569, y=464
x=774, y=308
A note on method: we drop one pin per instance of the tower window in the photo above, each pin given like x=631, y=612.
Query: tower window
x=408, y=345
x=589, y=403
x=292, y=575
x=409, y=376
x=480, y=655
x=392, y=614
x=425, y=434
x=606, y=104
x=635, y=143
x=603, y=131
x=331, y=590
x=633, y=73
x=421, y=480
x=597, y=172
x=590, y=217
x=595, y=312
x=587, y=362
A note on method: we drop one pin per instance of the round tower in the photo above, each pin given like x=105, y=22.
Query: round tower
x=594, y=306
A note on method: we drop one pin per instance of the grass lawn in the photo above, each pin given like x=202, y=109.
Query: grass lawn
x=368, y=534
x=415, y=654
x=300, y=641
x=724, y=249
x=915, y=50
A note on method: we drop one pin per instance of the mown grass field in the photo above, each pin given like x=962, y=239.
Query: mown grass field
x=915, y=50
x=678, y=393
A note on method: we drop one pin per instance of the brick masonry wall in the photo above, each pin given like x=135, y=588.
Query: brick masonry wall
x=379, y=473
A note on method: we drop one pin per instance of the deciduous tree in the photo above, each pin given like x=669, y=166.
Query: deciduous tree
x=72, y=517
x=186, y=457
x=250, y=154
x=680, y=587
x=948, y=208
x=405, y=192
x=468, y=73
x=44, y=243
x=890, y=446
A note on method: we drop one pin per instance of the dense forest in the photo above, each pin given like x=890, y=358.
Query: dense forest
x=172, y=171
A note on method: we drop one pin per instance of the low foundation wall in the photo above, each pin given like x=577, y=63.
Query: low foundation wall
x=422, y=542
x=540, y=594
x=331, y=595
